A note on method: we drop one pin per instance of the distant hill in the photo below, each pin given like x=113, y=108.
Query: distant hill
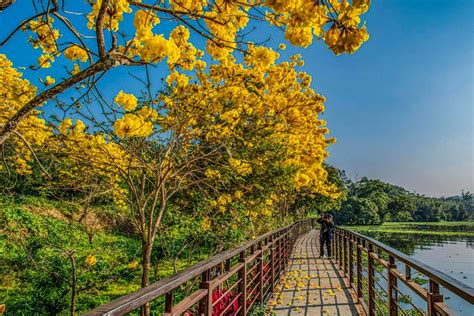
x=372, y=201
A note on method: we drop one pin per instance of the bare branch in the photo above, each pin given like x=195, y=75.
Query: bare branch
x=99, y=28
x=5, y=4
x=33, y=153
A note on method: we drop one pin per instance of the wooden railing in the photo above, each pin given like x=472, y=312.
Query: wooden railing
x=387, y=281
x=235, y=280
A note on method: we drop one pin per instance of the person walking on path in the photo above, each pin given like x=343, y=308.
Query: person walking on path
x=326, y=234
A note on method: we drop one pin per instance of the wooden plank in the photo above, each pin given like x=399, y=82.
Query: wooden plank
x=325, y=291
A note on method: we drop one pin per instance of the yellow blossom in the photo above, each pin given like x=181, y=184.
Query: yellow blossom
x=206, y=224
x=126, y=100
x=76, y=69
x=44, y=61
x=90, y=260
x=144, y=22
x=75, y=52
x=148, y=113
x=49, y=81
x=132, y=125
x=180, y=35
x=112, y=16
x=181, y=80
x=133, y=265
x=240, y=167
x=212, y=174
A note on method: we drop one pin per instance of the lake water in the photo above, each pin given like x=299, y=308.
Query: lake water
x=449, y=249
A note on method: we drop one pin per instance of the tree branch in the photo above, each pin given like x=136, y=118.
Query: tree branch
x=99, y=28
x=102, y=65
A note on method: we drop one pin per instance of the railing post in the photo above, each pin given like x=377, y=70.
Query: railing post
x=434, y=296
x=371, y=285
x=272, y=264
x=391, y=287
x=168, y=302
x=206, y=284
x=344, y=254
x=333, y=244
x=281, y=258
x=339, y=245
x=359, y=271
x=278, y=258
x=407, y=272
x=351, y=260
x=205, y=278
x=260, y=273
x=243, y=283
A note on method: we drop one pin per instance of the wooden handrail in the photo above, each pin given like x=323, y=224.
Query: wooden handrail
x=280, y=240
x=345, y=241
x=457, y=287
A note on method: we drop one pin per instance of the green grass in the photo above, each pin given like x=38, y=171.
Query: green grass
x=46, y=224
x=420, y=228
x=441, y=223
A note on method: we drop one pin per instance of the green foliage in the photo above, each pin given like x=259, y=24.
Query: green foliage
x=359, y=211
x=45, y=258
x=393, y=203
x=401, y=209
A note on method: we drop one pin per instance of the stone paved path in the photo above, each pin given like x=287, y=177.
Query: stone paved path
x=312, y=286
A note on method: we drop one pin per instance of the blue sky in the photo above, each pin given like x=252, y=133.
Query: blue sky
x=401, y=107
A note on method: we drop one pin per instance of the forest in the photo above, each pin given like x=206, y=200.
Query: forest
x=372, y=202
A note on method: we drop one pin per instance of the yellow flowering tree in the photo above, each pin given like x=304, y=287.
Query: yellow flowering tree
x=243, y=139
x=93, y=47
x=32, y=132
x=237, y=124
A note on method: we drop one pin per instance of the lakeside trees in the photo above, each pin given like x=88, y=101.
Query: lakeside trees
x=370, y=202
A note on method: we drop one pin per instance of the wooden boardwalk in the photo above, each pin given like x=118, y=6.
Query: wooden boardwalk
x=312, y=286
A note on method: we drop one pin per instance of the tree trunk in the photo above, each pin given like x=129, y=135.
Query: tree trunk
x=146, y=264
x=73, y=285
x=90, y=236
x=175, y=264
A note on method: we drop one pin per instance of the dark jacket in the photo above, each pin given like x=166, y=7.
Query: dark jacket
x=327, y=229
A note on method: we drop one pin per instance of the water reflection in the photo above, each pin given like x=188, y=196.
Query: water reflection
x=410, y=243
x=451, y=253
